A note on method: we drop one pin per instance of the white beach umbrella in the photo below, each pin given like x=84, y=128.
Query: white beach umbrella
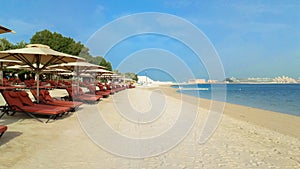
x=74, y=74
x=77, y=67
x=99, y=72
x=27, y=67
x=2, y=61
x=5, y=63
x=55, y=70
x=72, y=66
x=38, y=54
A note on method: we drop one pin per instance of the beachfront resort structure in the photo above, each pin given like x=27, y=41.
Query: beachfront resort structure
x=144, y=80
x=276, y=80
x=196, y=81
x=202, y=81
x=147, y=81
x=279, y=79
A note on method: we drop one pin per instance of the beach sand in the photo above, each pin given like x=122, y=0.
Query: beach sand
x=245, y=138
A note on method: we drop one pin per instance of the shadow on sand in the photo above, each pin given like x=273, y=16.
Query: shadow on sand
x=8, y=135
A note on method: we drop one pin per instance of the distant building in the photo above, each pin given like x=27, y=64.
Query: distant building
x=196, y=81
x=212, y=81
x=144, y=80
x=284, y=79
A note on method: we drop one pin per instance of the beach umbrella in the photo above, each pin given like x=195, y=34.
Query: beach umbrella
x=38, y=54
x=73, y=66
x=5, y=63
x=5, y=30
x=99, y=72
x=55, y=71
x=111, y=75
x=77, y=67
x=27, y=67
x=74, y=74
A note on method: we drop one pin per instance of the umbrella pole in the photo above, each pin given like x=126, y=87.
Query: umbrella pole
x=1, y=73
x=37, y=86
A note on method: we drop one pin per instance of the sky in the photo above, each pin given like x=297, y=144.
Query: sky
x=250, y=38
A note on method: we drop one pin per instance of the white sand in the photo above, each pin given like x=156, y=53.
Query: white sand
x=237, y=142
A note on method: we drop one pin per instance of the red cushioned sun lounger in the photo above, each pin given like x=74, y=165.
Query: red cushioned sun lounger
x=28, y=102
x=77, y=94
x=45, y=98
x=2, y=130
x=93, y=90
x=15, y=104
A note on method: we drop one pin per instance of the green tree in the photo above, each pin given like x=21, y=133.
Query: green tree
x=19, y=45
x=58, y=42
x=131, y=75
x=43, y=37
x=5, y=44
x=105, y=63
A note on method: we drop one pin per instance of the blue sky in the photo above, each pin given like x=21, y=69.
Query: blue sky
x=252, y=38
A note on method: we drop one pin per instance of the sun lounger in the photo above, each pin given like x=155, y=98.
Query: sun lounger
x=27, y=101
x=45, y=98
x=131, y=86
x=2, y=130
x=76, y=93
x=93, y=90
x=18, y=101
x=105, y=87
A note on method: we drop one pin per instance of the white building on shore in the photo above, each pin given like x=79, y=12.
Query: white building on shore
x=284, y=79
x=196, y=81
x=145, y=80
x=279, y=79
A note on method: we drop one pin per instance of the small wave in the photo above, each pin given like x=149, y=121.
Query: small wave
x=193, y=88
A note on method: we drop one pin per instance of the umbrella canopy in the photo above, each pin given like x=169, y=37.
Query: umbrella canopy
x=4, y=63
x=7, y=62
x=55, y=70
x=38, y=54
x=77, y=67
x=72, y=66
x=99, y=71
x=27, y=67
x=5, y=30
x=74, y=74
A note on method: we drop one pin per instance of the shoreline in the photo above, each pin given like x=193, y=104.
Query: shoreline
x=276, y=121
x=238, y=142
x=298, y=83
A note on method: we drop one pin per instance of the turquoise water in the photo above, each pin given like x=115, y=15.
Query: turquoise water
x=284, y=98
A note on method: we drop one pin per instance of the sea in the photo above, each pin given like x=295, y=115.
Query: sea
x=283, y=98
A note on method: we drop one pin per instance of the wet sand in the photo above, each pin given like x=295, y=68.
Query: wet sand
x=245, y=138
